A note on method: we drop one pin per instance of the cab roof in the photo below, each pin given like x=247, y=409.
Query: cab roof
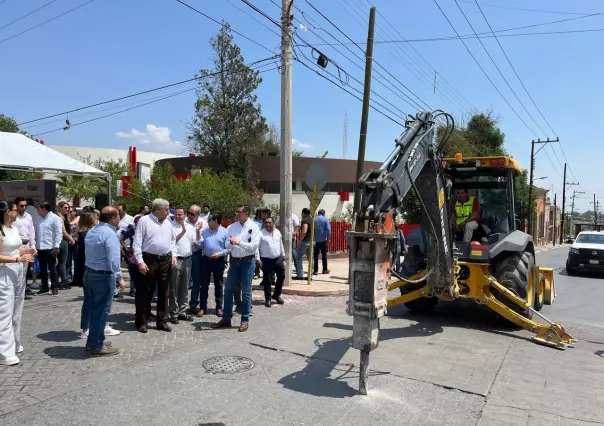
x=498, y=162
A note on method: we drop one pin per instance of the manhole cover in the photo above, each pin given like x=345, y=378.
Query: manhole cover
x=227, y=364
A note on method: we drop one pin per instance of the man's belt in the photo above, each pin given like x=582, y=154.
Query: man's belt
x=157, y=256
x=183, y=257
x=242, y=259
x=98, y=272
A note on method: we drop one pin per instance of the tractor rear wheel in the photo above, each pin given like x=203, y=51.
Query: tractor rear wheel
x=512, y=271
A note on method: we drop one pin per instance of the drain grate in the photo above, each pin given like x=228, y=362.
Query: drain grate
x=227, y=364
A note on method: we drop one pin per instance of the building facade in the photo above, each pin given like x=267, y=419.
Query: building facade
x=340, y=177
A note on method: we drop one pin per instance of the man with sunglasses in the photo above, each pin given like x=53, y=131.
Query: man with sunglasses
x=25, y=224
x=243, y=240
x=194, y=219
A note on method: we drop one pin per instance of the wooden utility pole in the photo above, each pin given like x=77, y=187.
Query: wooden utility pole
x=564, y=185
x=572, y=211
x=365, y=111
x=531, y=174
x=555, y=207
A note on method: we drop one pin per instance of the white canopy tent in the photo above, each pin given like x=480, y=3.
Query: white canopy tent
x=20, y=153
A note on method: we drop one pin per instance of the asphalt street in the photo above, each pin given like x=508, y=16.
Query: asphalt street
x=458, y=366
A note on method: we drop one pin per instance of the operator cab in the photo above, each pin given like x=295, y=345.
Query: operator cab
x=490, y=180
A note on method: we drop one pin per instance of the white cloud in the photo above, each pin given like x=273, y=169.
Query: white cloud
x=301, y=145
x=156, y=137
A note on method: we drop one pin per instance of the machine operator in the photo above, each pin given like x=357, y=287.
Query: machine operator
x=466, y=214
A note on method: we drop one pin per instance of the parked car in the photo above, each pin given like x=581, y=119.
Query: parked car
x=570, y=239
x=586, y=253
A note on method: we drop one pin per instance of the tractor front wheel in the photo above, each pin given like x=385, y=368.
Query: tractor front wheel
x=512, y=271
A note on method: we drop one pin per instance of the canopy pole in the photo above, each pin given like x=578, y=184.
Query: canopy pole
x=109, y=201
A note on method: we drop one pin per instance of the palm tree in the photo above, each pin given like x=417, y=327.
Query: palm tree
x=75, y=188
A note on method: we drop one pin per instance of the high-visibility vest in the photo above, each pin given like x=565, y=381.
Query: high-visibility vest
x=463, y=211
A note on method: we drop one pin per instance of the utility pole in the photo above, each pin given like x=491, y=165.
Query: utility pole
x=285, y=194
x=365, y=112
x=555, y=207
x=532, y=171
x=564, y=185
x=572, y=210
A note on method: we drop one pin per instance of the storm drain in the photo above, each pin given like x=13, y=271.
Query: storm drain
x=227, y=364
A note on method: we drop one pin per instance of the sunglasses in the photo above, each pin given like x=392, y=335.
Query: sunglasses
x=191, y=214
x=22, y=205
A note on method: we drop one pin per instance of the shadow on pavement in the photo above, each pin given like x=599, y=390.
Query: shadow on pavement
x=66, y=352
x=121, y=321
x=600, y=353
x=60, y=336
x=316, y=377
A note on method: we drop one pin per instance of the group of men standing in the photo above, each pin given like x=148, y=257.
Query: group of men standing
x=169, y=253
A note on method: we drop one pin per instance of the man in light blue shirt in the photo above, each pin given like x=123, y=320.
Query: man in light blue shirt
x=322, y=235
x=103, y=255
x=49, y=234
x=213, y=262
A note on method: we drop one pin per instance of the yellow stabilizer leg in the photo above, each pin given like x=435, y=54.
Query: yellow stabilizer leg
x=552, y=334
x=425, y=291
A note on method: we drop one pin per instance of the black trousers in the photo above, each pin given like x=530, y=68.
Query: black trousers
x=48, y=262
x=322, y=246
x=212, y=267
x=159, y=270
x=269, y=268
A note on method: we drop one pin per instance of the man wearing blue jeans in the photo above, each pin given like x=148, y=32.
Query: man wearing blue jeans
x=102, y=247
x=304, y=243
x=242, y=241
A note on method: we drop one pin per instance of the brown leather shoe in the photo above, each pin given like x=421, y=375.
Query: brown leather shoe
x=219, y=313
x=222, y=324
x=243, y=327
x=106, y=351
x=143, y=328
x=164, y=327
x=200, y=313
x=107, y=344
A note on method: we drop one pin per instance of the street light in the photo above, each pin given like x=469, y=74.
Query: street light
x=543, y=177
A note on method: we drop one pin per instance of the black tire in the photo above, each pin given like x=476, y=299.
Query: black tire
x=512, y=271
x=413, y=263
x=570, y=271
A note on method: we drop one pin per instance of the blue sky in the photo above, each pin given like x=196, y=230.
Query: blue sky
x=111, y=48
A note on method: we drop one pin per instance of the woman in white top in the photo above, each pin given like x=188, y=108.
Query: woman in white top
x=12, y=284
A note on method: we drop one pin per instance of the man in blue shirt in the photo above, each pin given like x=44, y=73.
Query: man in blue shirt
x=102, y=247
x=322, y=234
x=213, y=262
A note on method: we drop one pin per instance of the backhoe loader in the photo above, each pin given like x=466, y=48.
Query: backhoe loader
x=496, y=268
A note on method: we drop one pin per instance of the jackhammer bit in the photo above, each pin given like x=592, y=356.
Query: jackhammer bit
x=369, y=276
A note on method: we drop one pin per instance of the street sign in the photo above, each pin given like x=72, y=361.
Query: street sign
x=320, y=195
x=316, y=175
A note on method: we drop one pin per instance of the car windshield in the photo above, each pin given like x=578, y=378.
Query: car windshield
x=590, y=239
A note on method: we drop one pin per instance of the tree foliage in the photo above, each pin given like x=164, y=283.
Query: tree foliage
x=221, y=191
x=228, y=123
x=480, y=137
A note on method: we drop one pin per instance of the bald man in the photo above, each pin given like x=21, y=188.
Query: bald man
x=102, y=247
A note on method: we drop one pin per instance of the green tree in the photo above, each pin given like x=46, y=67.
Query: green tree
x=228, y=123
x=273, y=142
x=222, y=191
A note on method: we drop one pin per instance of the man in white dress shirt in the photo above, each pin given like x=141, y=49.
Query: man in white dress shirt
x=25, y=224
x=272, y=254
x=154, y=248
x=186, y=238
x=243, y=240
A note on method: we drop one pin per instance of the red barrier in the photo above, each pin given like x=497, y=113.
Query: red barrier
x=337, y=242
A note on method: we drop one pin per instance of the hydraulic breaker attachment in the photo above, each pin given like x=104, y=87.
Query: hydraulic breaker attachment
x=369, y=275
x=552, y=334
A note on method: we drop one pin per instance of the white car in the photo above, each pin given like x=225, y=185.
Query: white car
x=586, y=253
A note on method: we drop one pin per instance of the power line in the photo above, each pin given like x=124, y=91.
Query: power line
x=134, y=107
x=472, y=36
x=524, y=9
x=178, y=83
x=480, y=66
x=45, y=22
x=222, y=24
x=500, y=72
x=514, y=69
x=376, y=62
x=27, y=14
x=253, y=18
x=349, y=92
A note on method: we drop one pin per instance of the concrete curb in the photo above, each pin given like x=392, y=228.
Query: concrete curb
x=316, y=290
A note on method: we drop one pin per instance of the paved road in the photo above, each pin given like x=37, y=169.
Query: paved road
x=456, y=366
